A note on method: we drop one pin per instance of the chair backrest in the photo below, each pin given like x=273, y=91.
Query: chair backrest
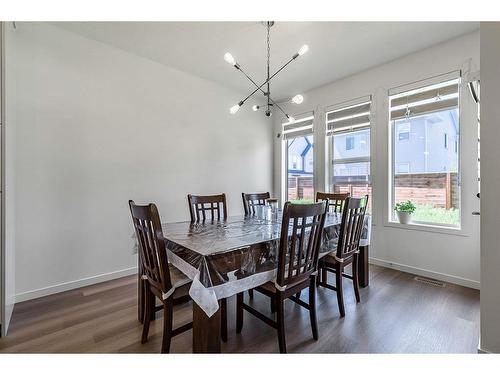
x=301, y=235
x=353, y=217
x=152, y=250
x=250, y=200
x=336, y=200
x=214, y=204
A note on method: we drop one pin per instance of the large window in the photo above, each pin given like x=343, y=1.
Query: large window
x=425, y=169
x=299, y=159
x=348, y=128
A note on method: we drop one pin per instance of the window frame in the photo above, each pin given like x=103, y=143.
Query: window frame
x=391, y=219
x=362, y=159
x=284, y=142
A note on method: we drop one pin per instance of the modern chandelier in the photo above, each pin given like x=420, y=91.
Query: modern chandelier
x=270, y=103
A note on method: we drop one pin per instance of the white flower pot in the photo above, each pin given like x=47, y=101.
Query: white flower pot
x=404, y=217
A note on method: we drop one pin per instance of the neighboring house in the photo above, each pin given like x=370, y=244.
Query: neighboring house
x=427, y=144
x=423, y=144
x=300, y=156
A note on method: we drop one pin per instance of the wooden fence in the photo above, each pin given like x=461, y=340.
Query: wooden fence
x=300, y=187
x=437, y=189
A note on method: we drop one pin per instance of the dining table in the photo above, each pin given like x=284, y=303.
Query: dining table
x=226, y=257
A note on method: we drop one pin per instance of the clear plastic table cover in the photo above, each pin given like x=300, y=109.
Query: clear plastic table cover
x=224, y=258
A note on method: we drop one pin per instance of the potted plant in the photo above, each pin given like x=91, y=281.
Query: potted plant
x=404, y=211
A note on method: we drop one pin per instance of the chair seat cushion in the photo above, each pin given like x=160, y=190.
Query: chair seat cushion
x=330, y=260
x=271, y=287
x=177, y=278
x=180, y=282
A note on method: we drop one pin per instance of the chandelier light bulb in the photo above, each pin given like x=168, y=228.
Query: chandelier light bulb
x=229, y=59
x=271, y=105
x=297, y=99
x=303, y=49
x=234, y=109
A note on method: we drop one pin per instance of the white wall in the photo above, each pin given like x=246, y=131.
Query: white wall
x=7, y=203
x=445, y=254
x=97, y=126
x=490, y=186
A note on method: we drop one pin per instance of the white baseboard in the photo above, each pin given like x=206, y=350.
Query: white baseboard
x=63, y=287
x=422, y=272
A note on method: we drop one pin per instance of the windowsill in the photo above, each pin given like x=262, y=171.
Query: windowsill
x=427, y=228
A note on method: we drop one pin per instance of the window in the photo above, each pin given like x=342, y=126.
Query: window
x=349, y=143
x=424, y=169
x=299, y=159
x=348, y=129
x=404, y=132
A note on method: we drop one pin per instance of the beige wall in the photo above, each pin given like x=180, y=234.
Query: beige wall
x=490, y=186
x=97, y=126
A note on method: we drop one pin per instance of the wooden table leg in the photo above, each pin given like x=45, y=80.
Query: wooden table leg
x=206, y=331
x=363, y=267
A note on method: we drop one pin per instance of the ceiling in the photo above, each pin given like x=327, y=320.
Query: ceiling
x=336, y=49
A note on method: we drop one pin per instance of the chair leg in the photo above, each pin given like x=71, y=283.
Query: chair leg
x=324, y=276
x=151, y=301
x=239, y=312
x=318, y=278
x=312, y=307
x=355, y=277
x=167, y=325
x=340, y=290
x=223, y=312
x=147, y=313
x=250, y=293
x=280, y=309
x=298, y=295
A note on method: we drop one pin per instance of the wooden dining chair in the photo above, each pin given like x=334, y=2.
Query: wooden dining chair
x=297, y=265
x=201, y=205
x=251, y=200
x=336, y=200
x=347, y=251
x=160, y=279
x=216, y=207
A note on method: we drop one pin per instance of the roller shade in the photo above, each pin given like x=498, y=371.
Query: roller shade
x=300, y=128
x=349, y=116
x=420, y=101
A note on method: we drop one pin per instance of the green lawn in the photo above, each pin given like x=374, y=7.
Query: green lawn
x=302, y=201
x=430, y=214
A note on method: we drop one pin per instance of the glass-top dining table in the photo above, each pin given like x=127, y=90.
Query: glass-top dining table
x=224, y=258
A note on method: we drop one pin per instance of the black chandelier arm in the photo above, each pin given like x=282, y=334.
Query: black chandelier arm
x=237, y=66
x=260, y=88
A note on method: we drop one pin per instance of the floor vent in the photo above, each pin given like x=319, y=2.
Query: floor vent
x=427, y=281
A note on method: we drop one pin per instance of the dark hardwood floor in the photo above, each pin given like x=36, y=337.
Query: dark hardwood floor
x=396, y=315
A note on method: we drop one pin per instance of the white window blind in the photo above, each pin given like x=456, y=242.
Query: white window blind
x=410, y=101
x=299, y=128
x=349, y=116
